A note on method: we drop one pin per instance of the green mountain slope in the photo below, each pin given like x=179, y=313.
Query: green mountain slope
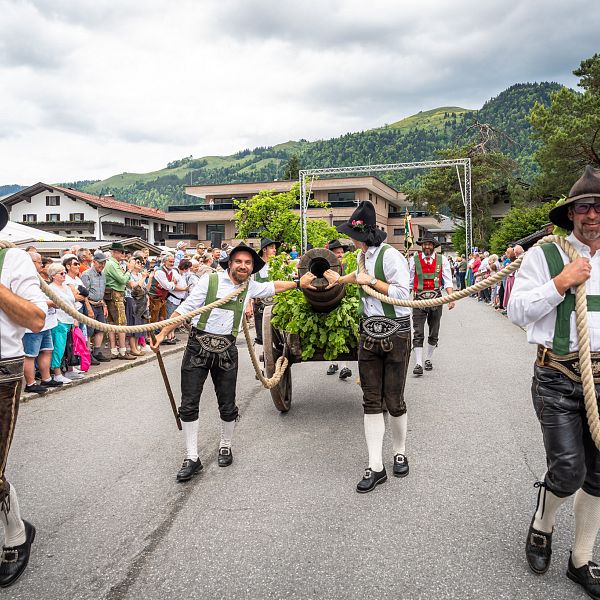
x=415, y=138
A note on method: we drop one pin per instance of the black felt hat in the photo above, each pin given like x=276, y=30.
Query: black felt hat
x=258, y=262
x=117, y=246
x=362, y=225
x=264, y=242
x=587, y=186
x=337, y=244
x=3, y=216
x=428, y=238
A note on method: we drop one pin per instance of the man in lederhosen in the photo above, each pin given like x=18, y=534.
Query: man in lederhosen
x=339, y=250
x=211, y=348
x=543, y=300
x=268, y=249
x=384, y=346
x=22, y=306
x=430, y=273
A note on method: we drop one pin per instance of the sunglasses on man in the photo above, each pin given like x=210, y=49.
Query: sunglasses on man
x=584, y=208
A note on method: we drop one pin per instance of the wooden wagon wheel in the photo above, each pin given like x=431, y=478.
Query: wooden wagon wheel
x=274, y=346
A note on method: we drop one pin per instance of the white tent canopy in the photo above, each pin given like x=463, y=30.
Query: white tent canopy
x=15, y=232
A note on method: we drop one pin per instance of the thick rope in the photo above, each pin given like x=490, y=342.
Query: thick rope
x=585, y=359
x=280, y=365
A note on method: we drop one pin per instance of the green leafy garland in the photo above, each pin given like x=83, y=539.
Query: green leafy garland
x=335, y=332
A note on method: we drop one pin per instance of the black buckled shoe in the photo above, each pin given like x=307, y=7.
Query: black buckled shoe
x=188, y=469
x=588, y=577
x=428, y=365
x=538, y=550
x=345, y=373
x=400, y=465
x=370, y=480
x=418, y=370
x=225, y=457
x=15, y=559
x=332, y=369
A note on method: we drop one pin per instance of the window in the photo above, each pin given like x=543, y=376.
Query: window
x=216, y=228
x=398, y=231
x=132, y=222
x=337, y=197
x=52, y=217
x=76, y=217
x=29, y=218
x=52, y=200
x=370, y=197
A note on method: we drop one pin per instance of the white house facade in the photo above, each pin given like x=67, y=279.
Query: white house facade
x=69, y=212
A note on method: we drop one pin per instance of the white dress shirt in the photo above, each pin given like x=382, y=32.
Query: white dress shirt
x=21, y=278
x=446, y=271
x=534, y=298
x=220, y=322
x=395, y=269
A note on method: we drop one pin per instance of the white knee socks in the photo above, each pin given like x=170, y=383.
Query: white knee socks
x=399, y=426
x=545, y=515
x=227, y=428
x=419, y=356
x=430, y=350
x=190, y=431
x=14, y=528
x=587, y=523
x=374, y=431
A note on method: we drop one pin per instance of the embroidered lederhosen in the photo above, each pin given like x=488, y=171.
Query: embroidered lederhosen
x=11, y=378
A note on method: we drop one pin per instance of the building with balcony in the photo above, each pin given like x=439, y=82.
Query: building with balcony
x=72, y=213
x=211, y=219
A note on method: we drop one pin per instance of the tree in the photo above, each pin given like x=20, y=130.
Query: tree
x=440, y=188
x=569, y=130
x=518, y=223
x=292, y=169
x=274, y=216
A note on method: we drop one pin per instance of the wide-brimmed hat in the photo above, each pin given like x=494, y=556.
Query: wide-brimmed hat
x=3, y=216
x=264, y=242
x=587, y=186
x=337, y=244
x=428, y=238
x=362, y=225
x=258, y=262
x=117, y=246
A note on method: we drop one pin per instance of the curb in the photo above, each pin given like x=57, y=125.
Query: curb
x=110, y=371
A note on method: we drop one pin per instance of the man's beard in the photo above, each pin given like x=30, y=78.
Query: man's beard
x=589, y=235
x=238, y=277
x=427, y=252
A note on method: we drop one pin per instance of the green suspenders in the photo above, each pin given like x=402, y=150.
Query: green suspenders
x=388, y=309
x=422, y=276
x=562, y=327
x=236, y=305
x=2, y=255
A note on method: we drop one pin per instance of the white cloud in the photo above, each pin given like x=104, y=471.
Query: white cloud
x=92, y=88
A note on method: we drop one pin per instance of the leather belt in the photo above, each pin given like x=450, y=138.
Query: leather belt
x=567, y=364
x=382, y=327
x=96, y=302
x=428, y=294
x=212, y=342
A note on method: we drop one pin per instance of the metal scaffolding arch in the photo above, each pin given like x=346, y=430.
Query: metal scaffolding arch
x=465, y=187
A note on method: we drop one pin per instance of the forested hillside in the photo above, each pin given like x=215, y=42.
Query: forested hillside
x=416, y=138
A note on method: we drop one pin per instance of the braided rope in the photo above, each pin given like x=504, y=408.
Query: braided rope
x=581, y=319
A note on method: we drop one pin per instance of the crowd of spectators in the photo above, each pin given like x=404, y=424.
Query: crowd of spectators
x=478, y=266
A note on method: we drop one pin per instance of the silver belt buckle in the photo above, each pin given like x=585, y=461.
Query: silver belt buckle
x=213, y=343
x=380, y=327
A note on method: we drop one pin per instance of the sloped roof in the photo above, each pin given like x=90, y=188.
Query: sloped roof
x=100, y=201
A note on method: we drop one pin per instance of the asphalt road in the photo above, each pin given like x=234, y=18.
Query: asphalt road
x=95, y=470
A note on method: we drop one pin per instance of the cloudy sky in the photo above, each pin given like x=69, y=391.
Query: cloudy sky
x=91, y=88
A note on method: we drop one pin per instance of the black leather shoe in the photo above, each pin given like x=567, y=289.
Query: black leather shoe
x=400, y=465
x=345, y=373
x=36, y=389
x=51, y=383
x=428, y=365
x=332, y=369
x=418, y=370
x=538, y=550
x=225, y=457
x=94, y=361
x=15, y=559
x=100, y=357
x=188, y=468
x=370, y=480
x=588, y=577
